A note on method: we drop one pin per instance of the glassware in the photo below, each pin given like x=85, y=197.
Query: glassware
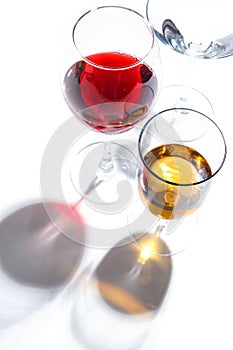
x=110, y=84
x=177, y=163
x=201, y=29
x=196, y=29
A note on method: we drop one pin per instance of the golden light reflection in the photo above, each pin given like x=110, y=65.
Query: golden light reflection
x=146, y=253
x=151, y=246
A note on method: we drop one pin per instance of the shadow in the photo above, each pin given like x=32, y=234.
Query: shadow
x=118, y=303
x=36, y=260
x=129, y=286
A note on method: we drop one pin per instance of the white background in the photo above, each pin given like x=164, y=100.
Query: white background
x=199, y=307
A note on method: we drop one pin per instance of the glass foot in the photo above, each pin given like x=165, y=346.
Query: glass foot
x=181, y=96
x=99, y=172
x=99, y=194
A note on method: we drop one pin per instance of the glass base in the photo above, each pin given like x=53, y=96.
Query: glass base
x=100, y=195
x=100, y=222
x=182, y=96
x=100, y=176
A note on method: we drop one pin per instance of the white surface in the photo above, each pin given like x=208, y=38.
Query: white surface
x=199, y=307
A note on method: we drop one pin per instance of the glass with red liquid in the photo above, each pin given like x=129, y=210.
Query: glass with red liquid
x=110, y=84
x=119, y=94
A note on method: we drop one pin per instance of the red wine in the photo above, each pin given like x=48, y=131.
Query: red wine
x=108, y=98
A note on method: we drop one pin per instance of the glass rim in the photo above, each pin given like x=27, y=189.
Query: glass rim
x=170, y=182
x=139, y=60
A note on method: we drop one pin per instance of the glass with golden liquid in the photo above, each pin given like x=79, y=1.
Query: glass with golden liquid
x=166, y=191
x=180, y=152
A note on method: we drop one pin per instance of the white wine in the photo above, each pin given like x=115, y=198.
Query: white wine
x=173, y=187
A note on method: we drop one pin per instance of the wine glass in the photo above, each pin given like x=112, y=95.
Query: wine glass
x=177, y=162
x=201, y=29
x=110, y=84
x=196, y=29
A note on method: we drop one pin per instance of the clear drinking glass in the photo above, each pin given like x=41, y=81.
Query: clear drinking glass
x=196, y=29
x=201, y=29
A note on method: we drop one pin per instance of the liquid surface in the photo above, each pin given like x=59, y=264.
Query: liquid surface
x=173, y=189
x=107, y=97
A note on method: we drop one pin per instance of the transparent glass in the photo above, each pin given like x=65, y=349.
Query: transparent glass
x=177, y=163
x=113, y=79
x=201, y=29
x=197, y=29
x=110, y=83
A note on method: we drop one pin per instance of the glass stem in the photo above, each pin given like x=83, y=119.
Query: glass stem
x=189, y=74
x=106, y=163
x=160, y=226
